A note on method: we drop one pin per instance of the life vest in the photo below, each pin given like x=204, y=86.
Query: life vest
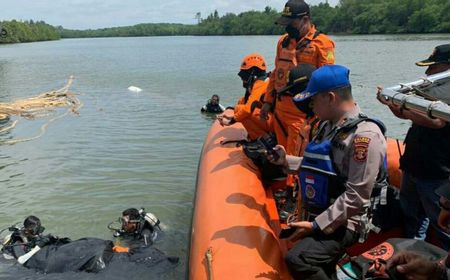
x=287, y=59
x=320, y=181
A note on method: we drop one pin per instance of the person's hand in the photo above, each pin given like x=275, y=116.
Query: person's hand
x=281, y=152
x=43, y=241
x=415, y=267
x=264, y=112
x=224, y=120
x=444, y=220
x=380, y=98
x=304, y=228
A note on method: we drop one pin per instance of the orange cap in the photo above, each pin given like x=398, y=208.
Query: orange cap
x=254, y=60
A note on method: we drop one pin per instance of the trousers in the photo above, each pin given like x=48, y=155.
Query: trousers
x=315, y=257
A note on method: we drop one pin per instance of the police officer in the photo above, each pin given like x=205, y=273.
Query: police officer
x=302, y=44
x=338, y=172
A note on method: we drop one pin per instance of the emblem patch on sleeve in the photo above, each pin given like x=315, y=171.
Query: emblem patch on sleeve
x=361, y=148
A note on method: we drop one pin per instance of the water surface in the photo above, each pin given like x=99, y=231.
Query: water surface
x=141, y=149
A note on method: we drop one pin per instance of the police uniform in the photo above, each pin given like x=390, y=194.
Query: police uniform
x=338, y=172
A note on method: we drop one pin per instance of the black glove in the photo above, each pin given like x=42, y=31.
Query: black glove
x=43, y=241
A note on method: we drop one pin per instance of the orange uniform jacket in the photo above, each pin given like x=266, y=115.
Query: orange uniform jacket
x=289, y=122
x=248, y=113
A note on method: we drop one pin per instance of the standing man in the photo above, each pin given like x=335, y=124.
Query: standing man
x=302, y=44
x=338, y=172
x=426, y=161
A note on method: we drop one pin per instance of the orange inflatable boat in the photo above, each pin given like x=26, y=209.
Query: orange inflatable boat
x=235, y=222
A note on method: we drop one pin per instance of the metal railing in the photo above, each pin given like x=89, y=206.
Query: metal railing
x=407, y=96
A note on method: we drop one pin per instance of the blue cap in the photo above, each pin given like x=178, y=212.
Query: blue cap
x=324, y=79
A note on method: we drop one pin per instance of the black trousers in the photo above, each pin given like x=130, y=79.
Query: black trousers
x=315, y=257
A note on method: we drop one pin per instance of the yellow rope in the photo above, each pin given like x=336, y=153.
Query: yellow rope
x=40, y=106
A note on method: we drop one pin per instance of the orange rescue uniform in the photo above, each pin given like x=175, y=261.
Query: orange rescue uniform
x=290, y=124
x=248, y=112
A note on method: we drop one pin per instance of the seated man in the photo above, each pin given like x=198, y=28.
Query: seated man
x=137, y=225
x=254, y=80
x=213, y=105
x=338, y=172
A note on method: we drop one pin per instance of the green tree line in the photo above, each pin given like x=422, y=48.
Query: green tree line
x=384, y=16
x=349, y=17
x=27, y=31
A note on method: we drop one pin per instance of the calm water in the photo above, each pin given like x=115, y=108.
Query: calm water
x=132, y=150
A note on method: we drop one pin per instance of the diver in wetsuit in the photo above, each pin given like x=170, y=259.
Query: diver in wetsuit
x=139, y=227
x=24, y=242
x=213, y=105
x=50, y=254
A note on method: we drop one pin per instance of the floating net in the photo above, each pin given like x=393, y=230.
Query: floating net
x=43, y=105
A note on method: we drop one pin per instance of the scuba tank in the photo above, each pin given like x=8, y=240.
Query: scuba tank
x=9, y=239
x=150, y=218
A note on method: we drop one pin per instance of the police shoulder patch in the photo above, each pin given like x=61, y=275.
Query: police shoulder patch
x=361, y=148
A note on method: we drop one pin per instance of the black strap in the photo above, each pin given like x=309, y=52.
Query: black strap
x=306, y=42
x=281, y=125
x=313, y=124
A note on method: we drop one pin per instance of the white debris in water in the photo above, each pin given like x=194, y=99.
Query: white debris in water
x=134, y=89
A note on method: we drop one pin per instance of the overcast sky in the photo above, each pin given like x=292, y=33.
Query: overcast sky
x=84, y=14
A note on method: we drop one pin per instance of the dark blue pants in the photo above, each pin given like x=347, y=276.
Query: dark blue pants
x=315, y=257
x=420, y=206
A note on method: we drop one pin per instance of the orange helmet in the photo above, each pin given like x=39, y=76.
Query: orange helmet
x=254, y=60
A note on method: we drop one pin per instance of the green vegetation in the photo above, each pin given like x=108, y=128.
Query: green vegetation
x=384, y=16
x=27, y=31
x=349, y=16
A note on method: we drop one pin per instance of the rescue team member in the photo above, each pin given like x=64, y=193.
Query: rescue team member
x=213, y=105
x=254, y=80
x=338, y=172
x=302, y=44
x=416, y=267
x=28, y=240
x=426, y=160
x=138, y=227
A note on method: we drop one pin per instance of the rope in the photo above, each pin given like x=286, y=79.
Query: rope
x=40, y=106
x=209, y=258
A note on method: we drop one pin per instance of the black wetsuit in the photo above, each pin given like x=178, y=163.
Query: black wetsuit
x=212, y=108
x=144, y=236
